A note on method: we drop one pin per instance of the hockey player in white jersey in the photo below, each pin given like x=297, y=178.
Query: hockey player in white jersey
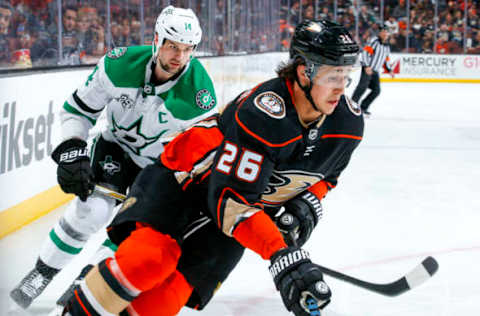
x=148, y=93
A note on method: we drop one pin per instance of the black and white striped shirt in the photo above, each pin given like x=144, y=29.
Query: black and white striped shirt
x=375, y=54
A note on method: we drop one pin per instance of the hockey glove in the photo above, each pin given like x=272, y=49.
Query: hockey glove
x=300, y=217
x=298, y=280
x=74, y=173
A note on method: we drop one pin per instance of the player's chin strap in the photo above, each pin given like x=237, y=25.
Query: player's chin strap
x=310, y=72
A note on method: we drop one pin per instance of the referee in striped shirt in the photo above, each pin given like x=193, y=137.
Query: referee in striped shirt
x=375, y=55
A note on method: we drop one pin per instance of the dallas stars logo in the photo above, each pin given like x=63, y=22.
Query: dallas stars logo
x=110, y=166
x=132, y=137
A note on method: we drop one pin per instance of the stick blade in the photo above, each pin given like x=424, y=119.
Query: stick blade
x=422, y=272
x=431, y=265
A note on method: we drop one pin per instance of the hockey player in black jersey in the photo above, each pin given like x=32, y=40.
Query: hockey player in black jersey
x=283, y=143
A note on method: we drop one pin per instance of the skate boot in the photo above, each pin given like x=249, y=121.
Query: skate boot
x=33, y=284
x=62, y=301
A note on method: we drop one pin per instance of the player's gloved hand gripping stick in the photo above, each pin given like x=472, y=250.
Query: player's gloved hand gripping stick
x=74, y=174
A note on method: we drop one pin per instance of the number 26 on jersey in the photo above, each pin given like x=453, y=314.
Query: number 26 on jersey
x=248, y=167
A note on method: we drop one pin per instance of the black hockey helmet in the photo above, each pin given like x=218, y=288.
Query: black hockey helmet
x=323, y=42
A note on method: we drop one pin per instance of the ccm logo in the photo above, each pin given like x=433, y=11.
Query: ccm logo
x=73, y=155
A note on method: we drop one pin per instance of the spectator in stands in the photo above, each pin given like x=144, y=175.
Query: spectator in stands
x=135, y=28
x=366, y=18
x=84, y=35
x=475, y=44
x=116, y=32
x=392, y=25
x=126, y=32
x=442, y=47
x=70, y=49
x=6, y=13
x=309, y=12
x=427, y=46
x=472, y=20
x=96, y=25
x=325, y=14
x=400, y=11
x=21, y=48
x=444, y=32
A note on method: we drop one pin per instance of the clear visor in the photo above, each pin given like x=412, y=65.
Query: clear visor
x=333, y=76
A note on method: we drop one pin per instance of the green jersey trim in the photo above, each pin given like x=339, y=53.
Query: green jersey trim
x=133, y=62
x=74, y=111
x=193, y=94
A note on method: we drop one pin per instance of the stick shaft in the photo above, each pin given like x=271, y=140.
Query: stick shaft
x=110, y=193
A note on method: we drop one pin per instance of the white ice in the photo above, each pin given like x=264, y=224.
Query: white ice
x=411, y=190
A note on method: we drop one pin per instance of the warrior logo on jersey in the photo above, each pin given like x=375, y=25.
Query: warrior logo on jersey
x=353, y=106
x=125, y=101
x=271, y=103
x=109, y=166
x=117, y=52
x=204, y=99
x=284, y=185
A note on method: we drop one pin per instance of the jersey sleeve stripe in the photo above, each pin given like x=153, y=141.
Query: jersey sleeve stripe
x=70, y=109
x=264, y=140
x=82, y=104
x=342, y=136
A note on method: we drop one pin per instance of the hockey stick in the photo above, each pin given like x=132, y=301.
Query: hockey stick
x=110, y=193
x=414, y=278
x=421, y=273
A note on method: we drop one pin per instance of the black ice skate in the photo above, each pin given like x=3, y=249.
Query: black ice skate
x=33, y=284
x=62, y=301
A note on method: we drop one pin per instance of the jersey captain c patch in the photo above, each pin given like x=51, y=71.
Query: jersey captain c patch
x=271, y=103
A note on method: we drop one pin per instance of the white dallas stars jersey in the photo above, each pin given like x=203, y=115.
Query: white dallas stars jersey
x=140, y=116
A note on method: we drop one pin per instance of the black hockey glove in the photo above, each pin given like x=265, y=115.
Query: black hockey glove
x=299, y=281
x=74, y=173
x=300, y=217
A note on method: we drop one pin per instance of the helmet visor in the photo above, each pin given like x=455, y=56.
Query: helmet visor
x=333, y=76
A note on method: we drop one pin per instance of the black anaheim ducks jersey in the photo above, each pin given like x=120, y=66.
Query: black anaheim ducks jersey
x=255, y=154
x=267, y=156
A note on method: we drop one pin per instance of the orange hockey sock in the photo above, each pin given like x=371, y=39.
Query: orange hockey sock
x=146, y=259
x=164, y=300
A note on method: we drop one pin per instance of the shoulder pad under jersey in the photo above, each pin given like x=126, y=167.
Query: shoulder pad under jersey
x=125, y=66
x=268, y=114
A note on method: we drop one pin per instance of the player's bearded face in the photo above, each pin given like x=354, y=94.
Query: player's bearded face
x=173, y=56
x=329, y=85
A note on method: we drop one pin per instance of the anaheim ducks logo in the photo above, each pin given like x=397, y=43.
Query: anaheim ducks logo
x=271, y=103
x=283, y=185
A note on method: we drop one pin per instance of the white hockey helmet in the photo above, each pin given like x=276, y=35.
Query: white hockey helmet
x=177, y=24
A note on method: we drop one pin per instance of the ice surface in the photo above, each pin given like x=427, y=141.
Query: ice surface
x=411, y=190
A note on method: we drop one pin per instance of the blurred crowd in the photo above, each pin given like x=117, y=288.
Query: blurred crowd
x=30, y=34
x=416, y=26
